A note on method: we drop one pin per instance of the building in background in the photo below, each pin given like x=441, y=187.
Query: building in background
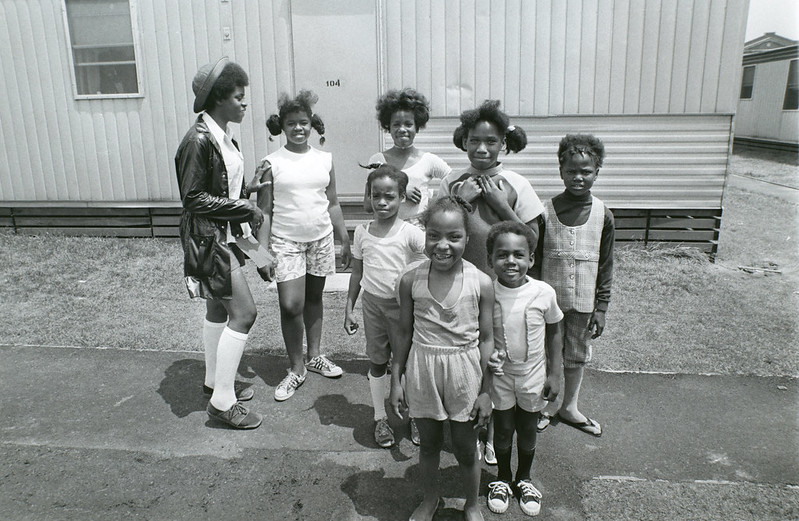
x=97, y=96
x=768, y=108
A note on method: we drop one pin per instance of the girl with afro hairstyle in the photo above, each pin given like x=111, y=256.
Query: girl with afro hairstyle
x=301, y=214
x=496, y=193
x=403, y=113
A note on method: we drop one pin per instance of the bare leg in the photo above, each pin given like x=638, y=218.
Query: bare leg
x=464, y=438
x=313, y=313
x=291, y=295
x=432, y=439
x=573, y=378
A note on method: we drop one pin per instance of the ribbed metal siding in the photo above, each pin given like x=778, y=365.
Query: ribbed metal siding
x=651, y=161
x=568, y=56
x=56, y=148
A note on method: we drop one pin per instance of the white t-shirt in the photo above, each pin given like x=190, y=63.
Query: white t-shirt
x=520, y=318
x=299, y=211
x=429, y=166
x=234, y=164
x=385, y=258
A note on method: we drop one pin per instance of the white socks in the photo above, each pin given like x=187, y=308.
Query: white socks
x=211, y=333
x=377, y=384
x=228, y=356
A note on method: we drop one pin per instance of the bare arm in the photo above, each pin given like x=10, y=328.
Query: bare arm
x=337, y=218
x=403, y=347
x=265, y=203
x=482, y=406
x=554, y=350
x=350, y=324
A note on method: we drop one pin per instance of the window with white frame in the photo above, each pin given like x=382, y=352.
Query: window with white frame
x=747, y=82
x=103, y=50
x=791, y=101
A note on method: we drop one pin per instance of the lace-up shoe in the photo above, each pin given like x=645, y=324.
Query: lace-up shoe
x=320, y=364
x=237, y=416
x=285, y=389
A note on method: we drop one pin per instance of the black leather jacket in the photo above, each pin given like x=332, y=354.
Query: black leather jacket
x=207, y=209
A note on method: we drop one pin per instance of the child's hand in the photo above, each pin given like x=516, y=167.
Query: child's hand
x=469, y=190
x=350, y=325
x=414, y=195
x=481, y=410
x=267, y=273
x=397, y=400
x=496, y=361
x=597, y=323
x=551, y=388
x=257, y=217
x=492, y=192
x=346, y=255
x=256, y=184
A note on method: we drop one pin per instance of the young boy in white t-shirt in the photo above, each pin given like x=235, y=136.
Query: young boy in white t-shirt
x=527, y=361
x=381, y=251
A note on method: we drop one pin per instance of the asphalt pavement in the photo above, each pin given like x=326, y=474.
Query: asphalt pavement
x=119, y=434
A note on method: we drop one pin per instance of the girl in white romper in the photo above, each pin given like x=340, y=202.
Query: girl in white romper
x=446, y=337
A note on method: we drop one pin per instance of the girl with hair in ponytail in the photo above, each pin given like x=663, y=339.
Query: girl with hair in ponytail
x=496, y=193
x=301, y=214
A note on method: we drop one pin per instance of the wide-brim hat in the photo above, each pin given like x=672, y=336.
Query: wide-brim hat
x=204, y=81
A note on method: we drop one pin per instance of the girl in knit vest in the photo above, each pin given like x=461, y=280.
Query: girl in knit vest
x=577, y=260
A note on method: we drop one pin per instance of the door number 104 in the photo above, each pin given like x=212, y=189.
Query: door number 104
x=333, y=83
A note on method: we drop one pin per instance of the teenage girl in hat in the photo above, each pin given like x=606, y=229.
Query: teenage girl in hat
x=210, y=170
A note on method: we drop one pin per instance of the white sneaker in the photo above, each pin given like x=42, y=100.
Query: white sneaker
x=498, y=498
x=491, y=456
x=529, y=498
x=320, y=364
x=285, y=389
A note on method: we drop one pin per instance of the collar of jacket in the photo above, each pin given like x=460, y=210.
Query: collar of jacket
x=202, y=127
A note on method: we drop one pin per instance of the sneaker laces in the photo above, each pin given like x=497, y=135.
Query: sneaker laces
x=383, y=428
x=323, y=363
x=499, y=488
x=291, y=380
x=527, y=489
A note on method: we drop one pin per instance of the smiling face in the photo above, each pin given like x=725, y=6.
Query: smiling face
x=483, y=144
x=445, y=239
x=403, y=128
x=511, y=259
x=232, y=108
x=385, y=197
x=578, y=173
x=297, y=127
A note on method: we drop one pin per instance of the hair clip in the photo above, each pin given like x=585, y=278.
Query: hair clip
x=511, y=128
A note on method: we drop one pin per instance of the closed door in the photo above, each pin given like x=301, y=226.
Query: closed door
x=335, y=55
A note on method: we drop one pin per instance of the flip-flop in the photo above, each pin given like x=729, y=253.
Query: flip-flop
x=588, y=426
x=543, y=422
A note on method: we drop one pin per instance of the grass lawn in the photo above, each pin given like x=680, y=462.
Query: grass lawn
x=671, y=310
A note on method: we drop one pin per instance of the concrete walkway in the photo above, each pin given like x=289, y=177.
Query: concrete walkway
x=111, y=434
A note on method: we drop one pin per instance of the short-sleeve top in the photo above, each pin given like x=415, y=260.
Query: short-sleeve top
x=429, y=167
x=300, y=181
x=521, y=198
x=385, y=258
x=453, y=323
x=520, y=318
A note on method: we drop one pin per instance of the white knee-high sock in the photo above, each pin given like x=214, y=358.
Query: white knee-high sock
x=377, y=384
x=211, y=333
x=228, y=356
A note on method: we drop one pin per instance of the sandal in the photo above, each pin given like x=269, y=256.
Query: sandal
x=589, y=426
